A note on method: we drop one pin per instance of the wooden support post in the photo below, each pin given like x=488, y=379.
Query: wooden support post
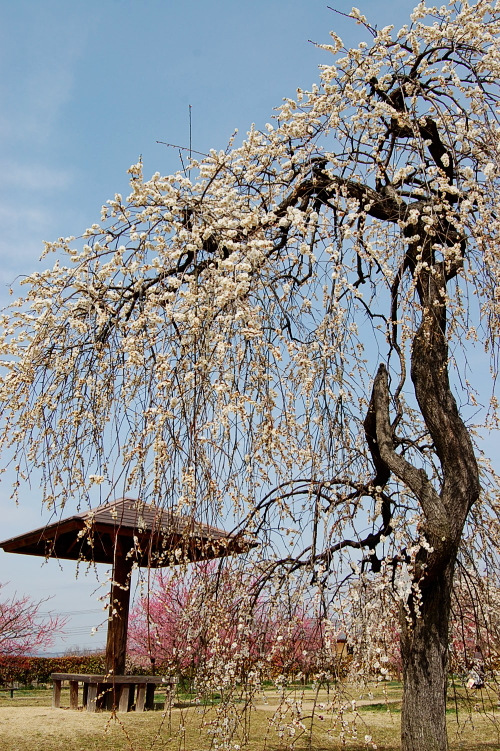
x=56, y=694
x=124, y=696
x=103, y=696
x=131, y=697
x=150, y=696
x=141, y=697
x=92, y=697
x=116, y=643
x=73, y=694
x=111, y=697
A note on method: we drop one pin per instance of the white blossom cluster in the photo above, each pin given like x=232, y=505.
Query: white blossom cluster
x=210, y=344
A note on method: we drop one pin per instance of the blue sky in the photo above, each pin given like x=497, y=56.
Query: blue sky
x=86, y=87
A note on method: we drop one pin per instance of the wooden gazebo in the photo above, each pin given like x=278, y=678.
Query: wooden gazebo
x=121, y=534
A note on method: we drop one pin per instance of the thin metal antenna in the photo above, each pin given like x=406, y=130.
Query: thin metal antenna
x=190, y=136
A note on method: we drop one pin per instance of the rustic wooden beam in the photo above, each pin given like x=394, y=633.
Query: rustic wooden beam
x=150, y=696
x=140, y=697
x=73, y=694
x=125, y=690
x=56, y=694
x=116, y=643
x=92, y=697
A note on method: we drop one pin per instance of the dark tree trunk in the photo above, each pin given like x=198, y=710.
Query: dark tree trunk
x=424, y=652
x=445, y=502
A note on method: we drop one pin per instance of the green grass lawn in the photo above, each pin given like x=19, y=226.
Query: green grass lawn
x=301, y=719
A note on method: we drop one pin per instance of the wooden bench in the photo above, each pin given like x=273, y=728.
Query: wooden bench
x=111, y=691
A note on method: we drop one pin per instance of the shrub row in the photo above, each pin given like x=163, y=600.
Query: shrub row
x=28, y=670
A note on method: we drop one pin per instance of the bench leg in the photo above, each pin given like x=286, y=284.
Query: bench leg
x=73, y=694
x=92, y=697
x=56, y=695
x=104, y=696
x=131, y=696
x=150, y=696
x=123, y=701
x=141, y=697
x=110, y=698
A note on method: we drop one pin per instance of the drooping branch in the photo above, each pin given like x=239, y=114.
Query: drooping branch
x=414, y=478
x=382, y=471
x=429, y=373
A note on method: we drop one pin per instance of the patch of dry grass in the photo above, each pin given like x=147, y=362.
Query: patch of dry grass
x=28, y=723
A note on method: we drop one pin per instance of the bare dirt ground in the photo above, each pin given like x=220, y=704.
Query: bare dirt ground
x=47, y=729
x=29, y=724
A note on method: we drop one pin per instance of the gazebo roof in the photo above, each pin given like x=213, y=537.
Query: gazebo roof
x=151, y=536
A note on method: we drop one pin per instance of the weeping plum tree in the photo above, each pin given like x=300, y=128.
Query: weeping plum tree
x=288, y=340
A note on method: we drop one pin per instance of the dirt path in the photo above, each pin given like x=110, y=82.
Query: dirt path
x=308, y=705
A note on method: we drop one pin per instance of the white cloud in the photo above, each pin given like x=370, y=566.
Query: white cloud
x=33, y=176
x=23, y=227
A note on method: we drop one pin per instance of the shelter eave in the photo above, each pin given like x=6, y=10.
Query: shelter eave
x=102, y=543
x=148, y=536
x=41, y=541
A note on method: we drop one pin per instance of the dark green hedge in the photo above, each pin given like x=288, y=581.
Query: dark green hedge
x=27, y=670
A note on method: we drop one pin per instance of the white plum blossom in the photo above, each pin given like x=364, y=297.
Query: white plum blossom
x=280, y=342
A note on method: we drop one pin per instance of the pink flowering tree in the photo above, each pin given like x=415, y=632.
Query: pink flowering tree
x=475, y=623
x=23, y=630
x=165, y=624
x=185, y=623
x=190, y=622
x=296, y=646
